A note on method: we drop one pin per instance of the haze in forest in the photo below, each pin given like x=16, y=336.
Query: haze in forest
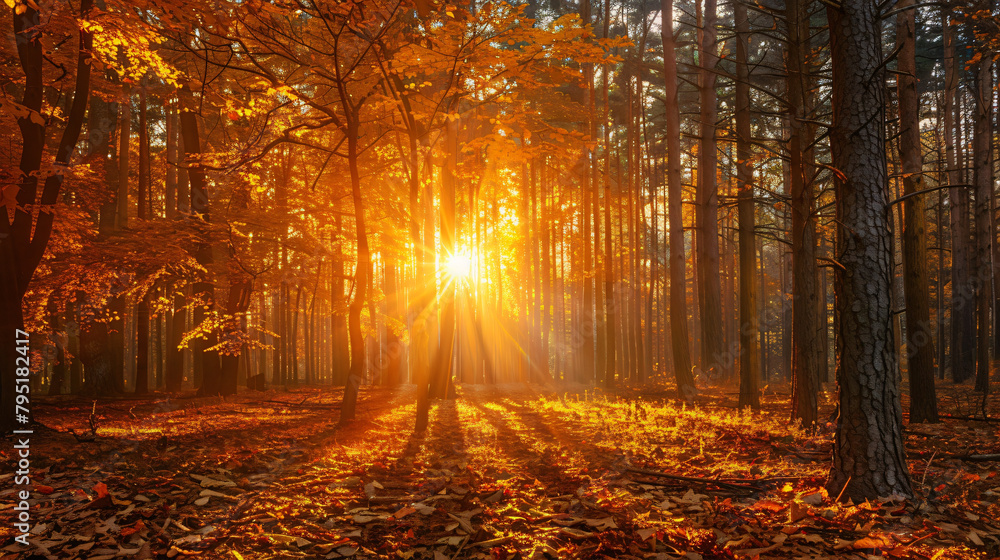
x=787, y=201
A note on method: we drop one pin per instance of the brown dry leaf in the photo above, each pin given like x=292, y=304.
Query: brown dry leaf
x=814, y=538
x=404, y=511
x=576, y=533
x=755, y=552
x=813, y=498
x=769, y=505
x=797, y=512
x=737, y=542
x=873, y=542
x=602, y=524
x=974, y=539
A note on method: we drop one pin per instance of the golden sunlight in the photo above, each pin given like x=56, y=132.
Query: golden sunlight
x=459, y=265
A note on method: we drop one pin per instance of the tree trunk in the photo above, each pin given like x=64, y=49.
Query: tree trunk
x=23, y=240
x=916, y=281
x=805, y=304
x=713, y=343
x=394, y=347
x=869, y=459
x=206, y=360
x=354, y=379
x=170, y=186
x=749, y=358
x=586, y=324
x=679, y=338
x=429, y=272
x=983, y=180
x=963, y=316
x=293, y=372
x=340, y=342
x=142, y=309
x=175, y=356
x=124, y=140
x=441, y=385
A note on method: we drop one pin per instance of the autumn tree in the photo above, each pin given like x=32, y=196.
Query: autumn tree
x=28, y=220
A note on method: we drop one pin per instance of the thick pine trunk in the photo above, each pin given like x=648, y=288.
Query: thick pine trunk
x=869, y=459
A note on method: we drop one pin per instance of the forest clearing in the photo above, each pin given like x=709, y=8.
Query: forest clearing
x=502, y=472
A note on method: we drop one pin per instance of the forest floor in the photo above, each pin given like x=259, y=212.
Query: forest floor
x=502, y=473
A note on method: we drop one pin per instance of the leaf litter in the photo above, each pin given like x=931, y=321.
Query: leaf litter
x=502, y=473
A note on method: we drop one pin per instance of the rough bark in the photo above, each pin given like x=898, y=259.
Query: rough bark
x=868, y=458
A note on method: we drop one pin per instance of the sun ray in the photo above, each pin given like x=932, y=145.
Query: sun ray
x=458, y=266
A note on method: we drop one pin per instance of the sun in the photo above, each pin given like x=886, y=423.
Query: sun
x=459, y=265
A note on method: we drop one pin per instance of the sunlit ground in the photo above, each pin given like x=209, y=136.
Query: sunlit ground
x=501, y=471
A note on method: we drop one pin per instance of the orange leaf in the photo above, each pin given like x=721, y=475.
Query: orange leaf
x=139, y=526
x=769, y=505
x=43, y=489
x=101, y=489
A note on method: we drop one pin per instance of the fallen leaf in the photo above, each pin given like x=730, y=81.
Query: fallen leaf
x=575, y=533
x=974, y=539
x=812, y=498
x=769, y=505
x=797, y=512
x=404, y=511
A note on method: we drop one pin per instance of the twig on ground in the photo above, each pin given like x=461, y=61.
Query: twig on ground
x=695, y=479
x=923, y=478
